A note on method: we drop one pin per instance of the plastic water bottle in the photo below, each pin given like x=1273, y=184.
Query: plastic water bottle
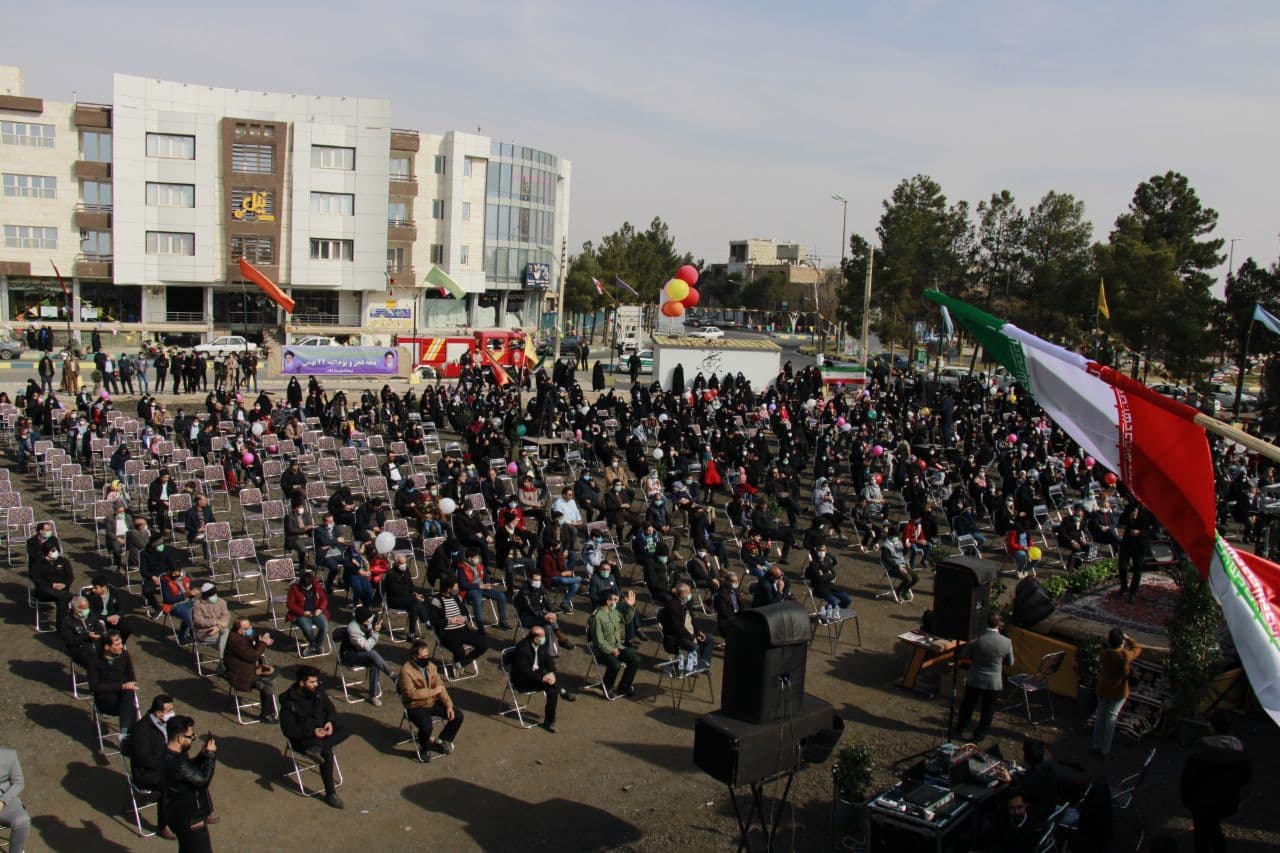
x=684, y=661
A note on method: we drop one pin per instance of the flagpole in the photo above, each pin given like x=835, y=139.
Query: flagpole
x=1239, y=436
x=1244, y=367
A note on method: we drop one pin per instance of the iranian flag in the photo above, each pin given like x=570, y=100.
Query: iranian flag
x=1155, y=445
x=843, y=374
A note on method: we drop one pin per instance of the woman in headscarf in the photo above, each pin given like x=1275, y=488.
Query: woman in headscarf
x=597, y=377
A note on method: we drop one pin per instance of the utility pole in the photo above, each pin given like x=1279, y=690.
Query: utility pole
x=866, y=309
x=844, y=242
x=559, y=330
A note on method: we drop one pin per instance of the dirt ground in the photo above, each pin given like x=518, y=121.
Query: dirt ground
x=617, y=775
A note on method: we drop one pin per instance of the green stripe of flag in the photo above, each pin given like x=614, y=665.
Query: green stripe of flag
x=439, y=278
x=988, y=332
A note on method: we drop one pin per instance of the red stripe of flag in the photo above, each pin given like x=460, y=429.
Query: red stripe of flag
x=499, y=375
x=251, y=273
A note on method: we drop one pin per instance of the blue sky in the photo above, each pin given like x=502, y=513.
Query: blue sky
x=741, y=119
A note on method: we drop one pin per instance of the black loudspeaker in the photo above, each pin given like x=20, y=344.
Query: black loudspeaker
x=736, y=752
x=764, y=659
x=962, y=597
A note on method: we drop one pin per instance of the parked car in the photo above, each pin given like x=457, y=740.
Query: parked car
x=316, y=341
x=226, y=345
x=1176, y=392
x=709, y=333
x=1225, y=395
x=568, y=346
x=10, y=349
x=646, y=362
x=951, y=374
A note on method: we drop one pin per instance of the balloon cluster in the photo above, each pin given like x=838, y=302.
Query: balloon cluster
x=680, y=291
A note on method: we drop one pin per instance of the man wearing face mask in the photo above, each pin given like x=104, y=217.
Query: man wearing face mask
x=821, y=575
x=727, y=602
x=116, y=533
x=657, y=577
x=534, y=607
x=146, y=749
x=425, y=696
x=112, y=681
x=53, y=577
x=607, y=635
x=400, y=593
x=473, y=577
x=37, y=541
x=104, y=608
x=176, y=594
x=328, y=546
x=295, y=534
x=308, y=720
x=211, y=619
x=449, y=618
x=158, y=500
x=246, y=669
x=660, y=517
x=471, y=534
x=78, y=633
x=185, y=794
x=359, y=649
x=534, y=668
x=699, y=569
x=680, y=634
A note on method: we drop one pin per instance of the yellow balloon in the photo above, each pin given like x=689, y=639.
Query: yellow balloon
x=1034, y=553
x=677, y=290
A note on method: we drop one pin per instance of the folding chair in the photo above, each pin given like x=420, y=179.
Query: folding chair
x=341, y=669
x=19, y=525
x=139, y=798
x=278, y=570
x=103, y=516
x=242, y=706
x=893, y=584
x=213, y=482
x=317, y=495
x=299, y=639
x=967, y=544
x=217, y=538
x=399, y=528
x=515, y=706
x=373, y=487
x=272, y=511
x=327, y=468
x=250, y=508
x=82, y=492
x=593, y=665
x=413, y=736
x=306, y=764
x=1038, y=682
x=77, y=681
x=39, y=605
x=208, y=660
x=107, y=730
x=1126, y=795
x=245, y=567
x=389, y=613
x=179, y=503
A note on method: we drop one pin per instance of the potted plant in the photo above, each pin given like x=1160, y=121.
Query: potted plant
x=851, y=775
x=1088, y=662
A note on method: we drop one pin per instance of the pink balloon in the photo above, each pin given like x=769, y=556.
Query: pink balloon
x=1089, y=462
x=688, y=274
x=840, y=421
x=247, y=459
x=513, y=468
x=1013, y=438
x=877, y=451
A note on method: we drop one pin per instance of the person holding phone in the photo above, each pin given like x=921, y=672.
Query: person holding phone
x=1115, y=665
x=184, y=798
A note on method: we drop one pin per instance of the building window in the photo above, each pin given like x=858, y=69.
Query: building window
x=437, y=253
x=254, y=157
x=255, y=250
x=464, y=256
x=171, y=146
x=247, y=128
x=332, y=250
x=170, y=243
x=30, y=237
x=400, y=169
x=95, y=147
x=466, y=211
x=95, y=194
x=21, y=133
x=439, y=164
x=334, y=204
x=437, y=208
x=466, y=166
x=396, y=257
x=330, y=157
x=110, y=302
x=170, y=195
x=398, y=213
x=31, y=186
x=317, y=307
x=95, y=245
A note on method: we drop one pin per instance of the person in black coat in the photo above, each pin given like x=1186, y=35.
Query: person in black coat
x=185, y=792
x=112, y=681
x=52, y=576
x=308, y=720
x=727, y=602
x=533, y=668
x=397, y=586
x=78, y=633
x=146, y=751
x=597, y=377
x=680, y=634
x=821, y=575
x=1215, y=772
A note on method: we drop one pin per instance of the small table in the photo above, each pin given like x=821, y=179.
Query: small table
x=832, y=625
x=927, y=651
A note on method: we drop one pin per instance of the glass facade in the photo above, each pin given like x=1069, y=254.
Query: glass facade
x=520, y=211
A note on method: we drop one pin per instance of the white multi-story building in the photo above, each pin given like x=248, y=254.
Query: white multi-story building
x=146, y=206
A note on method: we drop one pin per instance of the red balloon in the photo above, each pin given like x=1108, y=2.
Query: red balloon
x=672, y=309
x=1068, y=461
x=879, y=479
x=1110, y=479
x=923, y=465
x=688, y=274
x=690, y=300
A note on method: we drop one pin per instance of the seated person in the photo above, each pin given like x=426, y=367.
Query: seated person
x=534, y=607
x=763, y=521
x=755, y=553
x=246, y=668
x=104, y=608
x=308, y=609
x=178, y=597
x=1073, y=536
x=772, y=588
x=425, y=697
x=658, y=577
x=534, y=668
x=309, y=722
x=52, y=576
x=78, y=632
x=475, y=581
x=607, y=637
x=916, y=541
x=894, y=561
x=727, y=602
x=699, y=570
x=1018, y=544
x=645, y=542
x=401, y=594
x=449, y=619
x=680, y=634
x=821, y=575
x=112, y=681
x=604, y=583
x=211, y=619
x=359, y=648
x=1102, y=526
x=554, y=568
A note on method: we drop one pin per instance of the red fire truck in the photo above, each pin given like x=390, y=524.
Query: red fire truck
x=442, y=351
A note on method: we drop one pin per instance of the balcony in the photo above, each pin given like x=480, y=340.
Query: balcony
x=22, y=268
x=19, y=104
x=320, y=319
x=92, y=115
x=184, y=317
x=402, y=274
x=401, y=231
x=93, y=217
x=402, y=186
x=93, y=266
x=93, y=170
x=404, y=140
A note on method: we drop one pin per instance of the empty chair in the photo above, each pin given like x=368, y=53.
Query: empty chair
x=1038, y=682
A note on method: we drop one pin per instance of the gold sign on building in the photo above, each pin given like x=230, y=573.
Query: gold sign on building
x=253, y=208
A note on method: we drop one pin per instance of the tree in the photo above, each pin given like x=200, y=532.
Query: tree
x=1248, y=287
x=1000, y=246
x=925, y=244
x=854, y=282
x=766, y=290
x=1157, y=270
x=1058, y=268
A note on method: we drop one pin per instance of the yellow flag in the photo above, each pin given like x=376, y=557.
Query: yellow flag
x=1102, y=299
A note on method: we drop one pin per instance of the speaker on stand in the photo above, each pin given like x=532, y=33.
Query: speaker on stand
x=961, y=602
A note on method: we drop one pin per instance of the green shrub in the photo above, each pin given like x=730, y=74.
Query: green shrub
x=1195, y=651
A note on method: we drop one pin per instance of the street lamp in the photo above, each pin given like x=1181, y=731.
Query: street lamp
x=844, y=238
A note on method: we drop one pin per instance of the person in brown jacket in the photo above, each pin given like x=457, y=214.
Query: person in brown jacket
x=425, y=696
x=246, y=669
x=1113, y=687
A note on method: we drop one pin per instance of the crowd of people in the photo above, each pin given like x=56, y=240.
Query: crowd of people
x=656, y=511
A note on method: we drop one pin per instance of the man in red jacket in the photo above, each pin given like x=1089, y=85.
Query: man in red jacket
x=309, y=610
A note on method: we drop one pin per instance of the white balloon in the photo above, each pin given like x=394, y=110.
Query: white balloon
x=447, y=506
x=385, y=543
x=657, y=453
x=257, y=428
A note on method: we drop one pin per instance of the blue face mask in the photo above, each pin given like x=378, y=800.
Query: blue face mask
x=248, y=632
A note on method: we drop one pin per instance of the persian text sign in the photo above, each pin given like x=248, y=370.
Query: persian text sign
x=384, y=319
x=340, y=361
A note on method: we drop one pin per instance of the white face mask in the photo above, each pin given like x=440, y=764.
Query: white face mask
x=536, y=584
x=53, y=555
x=166, y=716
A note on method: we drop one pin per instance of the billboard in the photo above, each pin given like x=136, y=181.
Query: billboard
x=340, y=361
x=537, y=276
x=381, y=318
